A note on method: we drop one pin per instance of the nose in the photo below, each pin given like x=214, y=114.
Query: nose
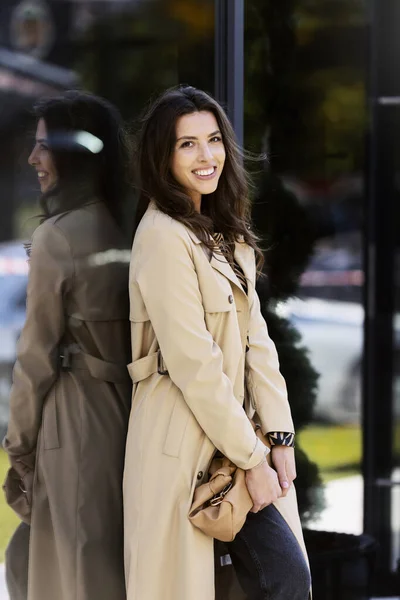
x=32, y=160
x=205, y=153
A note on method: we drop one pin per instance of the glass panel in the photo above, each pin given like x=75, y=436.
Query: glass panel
x=124, y=50
x=305, y=72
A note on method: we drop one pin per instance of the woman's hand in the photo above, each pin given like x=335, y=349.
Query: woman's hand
x=263, y=486
x=284, y=463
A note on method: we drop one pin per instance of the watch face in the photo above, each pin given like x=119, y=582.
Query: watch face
x=32, y=28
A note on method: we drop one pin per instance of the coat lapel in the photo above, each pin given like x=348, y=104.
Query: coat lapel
x=219, y=262
x=245, y=258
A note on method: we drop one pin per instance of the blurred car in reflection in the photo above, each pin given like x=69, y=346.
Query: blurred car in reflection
x=13, y=282
x=333, y=333
x=330, y=319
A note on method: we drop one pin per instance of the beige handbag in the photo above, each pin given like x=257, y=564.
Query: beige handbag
x=221, y=505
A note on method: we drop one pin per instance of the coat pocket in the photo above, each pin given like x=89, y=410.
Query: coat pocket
x=217, y=300
x=51, y=439
x=176, y=428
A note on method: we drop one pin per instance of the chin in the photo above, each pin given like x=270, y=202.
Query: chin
x=46, y=187
x=209, y=189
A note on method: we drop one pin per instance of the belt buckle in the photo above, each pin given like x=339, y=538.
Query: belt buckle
x=65, y=357
x=160, y=364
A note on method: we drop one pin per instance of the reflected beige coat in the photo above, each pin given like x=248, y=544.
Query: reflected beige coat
x=69, y=425
x=195, y=310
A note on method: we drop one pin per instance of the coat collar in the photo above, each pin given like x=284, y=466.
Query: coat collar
x=219, y=262
x=243, y=256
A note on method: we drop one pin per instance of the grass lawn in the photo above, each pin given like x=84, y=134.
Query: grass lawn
x=336, y=449
x=8, y=520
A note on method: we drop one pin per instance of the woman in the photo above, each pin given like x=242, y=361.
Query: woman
x=70, y=399
x=203, y=363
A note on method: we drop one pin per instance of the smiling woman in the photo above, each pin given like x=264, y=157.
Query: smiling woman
x=199, y=154
x=203, y=363
x=191, y=165
x=80, y=152
x=41, y=159
x=70, y=399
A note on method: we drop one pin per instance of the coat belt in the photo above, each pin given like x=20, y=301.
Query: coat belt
x=72, y=357
x=146, y=366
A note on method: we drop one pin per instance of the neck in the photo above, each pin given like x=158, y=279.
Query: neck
x=196, y=199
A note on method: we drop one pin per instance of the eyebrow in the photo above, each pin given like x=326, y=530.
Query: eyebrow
x=41, y=140
x=192, y=137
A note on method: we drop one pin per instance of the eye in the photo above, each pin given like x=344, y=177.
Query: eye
x=216, y=138
x=43, y=147
x=187, y=144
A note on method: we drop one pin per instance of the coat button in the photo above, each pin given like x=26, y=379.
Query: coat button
x=200, y=475
x=230, y=298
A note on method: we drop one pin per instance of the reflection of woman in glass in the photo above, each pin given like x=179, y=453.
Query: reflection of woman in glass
x=70, y=399
x=202, y=364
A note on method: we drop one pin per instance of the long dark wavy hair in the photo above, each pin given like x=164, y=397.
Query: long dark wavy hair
x=227, y=210
x=82, y=169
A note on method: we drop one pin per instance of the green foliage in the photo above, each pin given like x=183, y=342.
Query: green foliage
x=337, y=448
x=305, y=85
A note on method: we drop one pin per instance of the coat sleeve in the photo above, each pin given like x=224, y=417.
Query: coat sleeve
x=36, y=367
x=168, y=284
x=265, y=383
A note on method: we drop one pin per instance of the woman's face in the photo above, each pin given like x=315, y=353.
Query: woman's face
x=199, y=154
x=42, y=160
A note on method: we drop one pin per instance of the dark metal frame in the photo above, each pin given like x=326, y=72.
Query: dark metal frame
x=380, y=287
x=229, y=60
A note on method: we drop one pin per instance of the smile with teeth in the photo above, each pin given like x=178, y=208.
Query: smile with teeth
x=41, y=174
x=205, y=172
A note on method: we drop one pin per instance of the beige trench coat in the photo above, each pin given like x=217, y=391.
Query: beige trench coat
x=195, y=310
x=70, y=423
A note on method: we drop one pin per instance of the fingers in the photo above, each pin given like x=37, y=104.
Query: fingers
x=284, y=463
x=291, y=472
x=290, y=467
x=261, y=500
x=258, y=507
x=282, y=476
